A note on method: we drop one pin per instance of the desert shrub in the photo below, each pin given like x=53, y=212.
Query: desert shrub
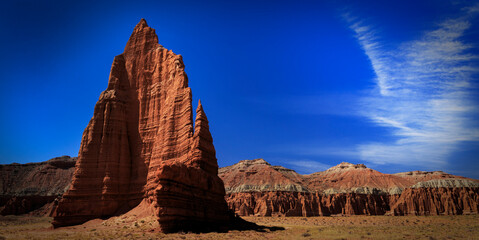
x=306, y=234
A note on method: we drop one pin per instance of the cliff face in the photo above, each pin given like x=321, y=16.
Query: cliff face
x=254, y=187
x=306, y=204
x=33, y=187
x=436, y=201
x=141, y=146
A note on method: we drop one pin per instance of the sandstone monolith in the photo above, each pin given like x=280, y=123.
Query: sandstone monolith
x=141, y=146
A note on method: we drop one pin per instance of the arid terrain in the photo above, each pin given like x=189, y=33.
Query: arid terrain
x=353, y=227
x=145, y=168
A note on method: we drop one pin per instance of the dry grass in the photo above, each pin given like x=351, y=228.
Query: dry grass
x=355, y=227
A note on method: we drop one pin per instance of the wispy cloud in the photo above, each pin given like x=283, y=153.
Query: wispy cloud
x=424, y=92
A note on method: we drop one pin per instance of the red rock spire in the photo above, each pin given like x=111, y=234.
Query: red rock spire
x=140, y=146
x=141, y=40
x=118, y=76
x=204, y=154
x=104, y=159
x=142, y=23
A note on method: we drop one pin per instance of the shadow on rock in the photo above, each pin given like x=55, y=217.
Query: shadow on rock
x=237, y=223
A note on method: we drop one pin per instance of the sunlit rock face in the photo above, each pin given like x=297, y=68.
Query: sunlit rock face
x=142, y=146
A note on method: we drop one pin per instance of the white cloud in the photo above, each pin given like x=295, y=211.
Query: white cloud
x=424, y=93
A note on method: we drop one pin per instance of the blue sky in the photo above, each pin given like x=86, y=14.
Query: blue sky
x=303, y=84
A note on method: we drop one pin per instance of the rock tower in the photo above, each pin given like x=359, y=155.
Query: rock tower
x=141, y=146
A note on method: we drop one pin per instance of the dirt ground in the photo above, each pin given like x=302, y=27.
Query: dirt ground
x=354, y=227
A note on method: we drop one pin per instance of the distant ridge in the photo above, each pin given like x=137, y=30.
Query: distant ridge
x=32, y=188
x=259, y=175
x=255, y=187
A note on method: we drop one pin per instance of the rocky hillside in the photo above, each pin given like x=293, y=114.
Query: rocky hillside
x=356, y=178
x=258, y=175
x=254, y=187
x=34, y=186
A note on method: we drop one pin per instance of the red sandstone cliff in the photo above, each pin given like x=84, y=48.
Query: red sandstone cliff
x=436, y=201
x=306, y=204
x=141, y=146
x=254, y=187
x=33, y=187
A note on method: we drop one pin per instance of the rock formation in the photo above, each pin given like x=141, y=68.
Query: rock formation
x=447, y=183
x=254, y=187
x=33, y=187
x=259, y=176
x=357, y=178
x=424, y=175
x=141, y=146
x=436, y=201
x=306, y=204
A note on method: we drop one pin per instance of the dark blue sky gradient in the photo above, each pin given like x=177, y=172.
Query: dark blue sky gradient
x=275, y=77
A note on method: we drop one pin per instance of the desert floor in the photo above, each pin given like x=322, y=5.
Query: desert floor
x=355, y=227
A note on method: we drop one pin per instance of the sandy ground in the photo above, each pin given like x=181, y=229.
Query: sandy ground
x=354, y=227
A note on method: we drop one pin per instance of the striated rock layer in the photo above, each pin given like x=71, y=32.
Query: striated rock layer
x=254, y=187
x=436, y=201
x=141, y=146
x=357, y=178
x=33, y=187
x=258, y=176
x=306, y=204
